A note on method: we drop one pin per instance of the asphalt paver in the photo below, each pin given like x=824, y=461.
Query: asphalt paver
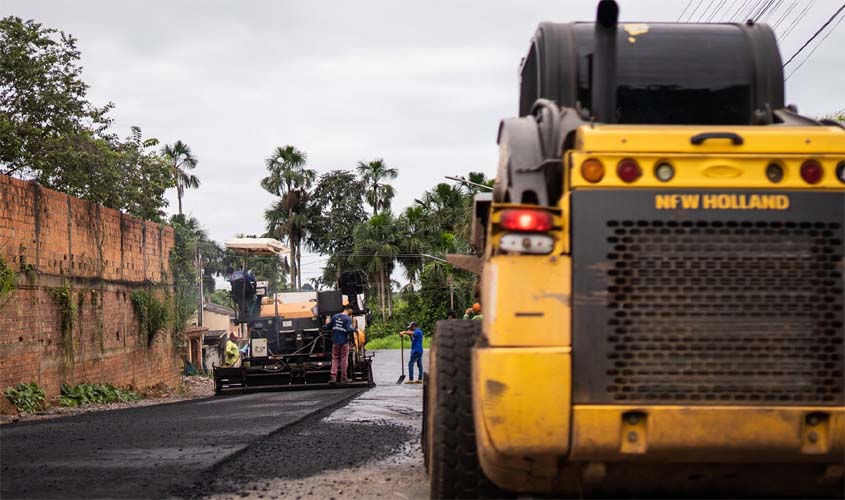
x=145, y=452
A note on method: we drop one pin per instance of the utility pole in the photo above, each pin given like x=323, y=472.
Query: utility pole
x=200, y=274
x=451, y=283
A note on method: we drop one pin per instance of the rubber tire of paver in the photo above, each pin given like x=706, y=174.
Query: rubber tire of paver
x=455, y=471
x=371, y=382
x=424, y=441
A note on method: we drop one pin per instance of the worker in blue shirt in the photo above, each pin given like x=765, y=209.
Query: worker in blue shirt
x=416, y=335
x=341, y=328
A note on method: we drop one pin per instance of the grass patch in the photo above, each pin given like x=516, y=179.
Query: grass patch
x=394, y=342
x=85, y=394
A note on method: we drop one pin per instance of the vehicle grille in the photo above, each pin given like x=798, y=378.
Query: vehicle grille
x=717, y=312
x=712, y=311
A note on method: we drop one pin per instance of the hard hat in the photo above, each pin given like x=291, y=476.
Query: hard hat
x=476, y=307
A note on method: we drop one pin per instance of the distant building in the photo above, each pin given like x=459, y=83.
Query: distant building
x=207, y=349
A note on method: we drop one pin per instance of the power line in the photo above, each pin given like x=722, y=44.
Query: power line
x=750, y=13
x=797, y=20
x=735, y=15
x=815, y=48
x=728, y=9
x=716, y=10
x=685, y=10
x=773, y=5
x=785, y=14
x=704, y=12
x=694, y=10
x=825, y=25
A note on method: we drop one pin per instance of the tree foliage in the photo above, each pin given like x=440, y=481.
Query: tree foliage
x=332, y=219
x=187, y=234
x=335, y=209
x=180, y=159
x=377, y=244
x=288, y=216
x=51, y=132
x=378, y=194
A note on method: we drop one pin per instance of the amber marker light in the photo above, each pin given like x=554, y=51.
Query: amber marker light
x=592, y=170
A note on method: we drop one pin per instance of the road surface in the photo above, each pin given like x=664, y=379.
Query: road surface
x=261, y=445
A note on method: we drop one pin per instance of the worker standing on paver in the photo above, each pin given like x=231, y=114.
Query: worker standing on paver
x=341, y=328
x=233, y=354
x=416, y=335
x=473, y=312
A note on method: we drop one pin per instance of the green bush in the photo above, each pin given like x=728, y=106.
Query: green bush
x=84, y=394
x=388, y=328
x=153, y=314
x=7, y=281
x=394, y=342
x=27, y=397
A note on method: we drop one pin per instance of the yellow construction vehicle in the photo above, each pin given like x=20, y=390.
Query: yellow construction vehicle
x=661, y=268
x=289, y=334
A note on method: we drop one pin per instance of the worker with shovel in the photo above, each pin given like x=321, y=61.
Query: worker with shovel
x=416, y=335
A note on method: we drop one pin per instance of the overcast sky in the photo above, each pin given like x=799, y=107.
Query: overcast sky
x=421, y=84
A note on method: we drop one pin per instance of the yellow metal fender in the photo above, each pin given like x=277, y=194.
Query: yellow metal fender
x=521, y=407
x=526, y=302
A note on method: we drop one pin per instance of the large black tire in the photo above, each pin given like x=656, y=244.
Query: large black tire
x=452, y=455
x=424, y=434
x=371, y=382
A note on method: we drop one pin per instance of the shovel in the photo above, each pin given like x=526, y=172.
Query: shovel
x=402, y=377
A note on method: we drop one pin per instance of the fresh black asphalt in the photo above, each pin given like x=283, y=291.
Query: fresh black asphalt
x=301, y=450
x=146, y=452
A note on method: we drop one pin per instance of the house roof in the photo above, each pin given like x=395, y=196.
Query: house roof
x=194, y=331
x=219, y=309
x=214, y=336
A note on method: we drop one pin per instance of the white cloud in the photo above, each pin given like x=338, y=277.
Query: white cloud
x=422, y=84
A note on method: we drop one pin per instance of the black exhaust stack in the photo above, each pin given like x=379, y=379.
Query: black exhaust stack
x=604, y=62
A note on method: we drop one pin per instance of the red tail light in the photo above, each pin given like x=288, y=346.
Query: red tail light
x=811, y=172
x=628, y=170
x=526, y=220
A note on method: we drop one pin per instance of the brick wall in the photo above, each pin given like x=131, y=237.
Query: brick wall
x=51, y=240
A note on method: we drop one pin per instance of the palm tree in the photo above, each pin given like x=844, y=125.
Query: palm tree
x=290, y=181
x=378, y=194
x=445, y=204
x=181, y=160
x=376, y=247
x=415, y=228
